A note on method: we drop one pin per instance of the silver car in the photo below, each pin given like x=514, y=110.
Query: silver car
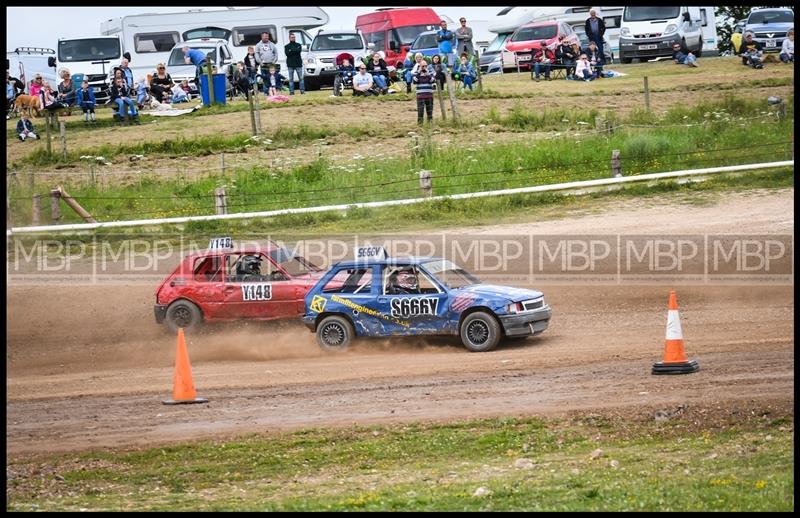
x=320, y=62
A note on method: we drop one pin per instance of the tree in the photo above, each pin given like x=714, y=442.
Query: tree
x=727, y=16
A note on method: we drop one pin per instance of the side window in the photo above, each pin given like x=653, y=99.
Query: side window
x=225, y=54
x=378, y=38
x=406, y=280
x=208, y=269
x=300, y=37
x=612, y=21
x=394, y=37
x=354, y=281
x=155, y=41
x=247, y=36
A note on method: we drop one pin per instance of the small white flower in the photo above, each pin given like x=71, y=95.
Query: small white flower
x=100, y=159
x=564, y=120
x=481, y=125
x=583, y=123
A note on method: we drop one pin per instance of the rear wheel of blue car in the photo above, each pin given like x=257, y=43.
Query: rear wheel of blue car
x=480, y=332
x=334, y=333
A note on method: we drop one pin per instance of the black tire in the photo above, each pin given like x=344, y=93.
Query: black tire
x=185, y=314
x=311, y=84
x=699, y=48
x=335, y=333
x=480, y=332
x=338, y=88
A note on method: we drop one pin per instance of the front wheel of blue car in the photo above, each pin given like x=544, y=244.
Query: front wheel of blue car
x=480, y=332
x=334, y=333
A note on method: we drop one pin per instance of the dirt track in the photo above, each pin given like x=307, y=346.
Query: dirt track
x=87, y=367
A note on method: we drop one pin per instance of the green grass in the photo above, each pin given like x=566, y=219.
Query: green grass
x=737, y=462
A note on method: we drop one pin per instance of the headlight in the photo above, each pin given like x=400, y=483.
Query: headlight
x=516, y=307
x=310, y=61
x=670, y=28
x=625, y=31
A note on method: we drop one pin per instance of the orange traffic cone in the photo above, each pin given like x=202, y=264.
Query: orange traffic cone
x=183, y=391
x=675, y=361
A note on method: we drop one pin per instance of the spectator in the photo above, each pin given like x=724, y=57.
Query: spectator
x=583, y=69
x=9, y=95
x=186, y=89
x=294, y=62
x=25, y=128
x=266, y=54
x=411, y=67
x=465, y=72
x=424, y=81
x=464, y=37
x=86, y=101
x=596, y=59
x=595, y=29
x=377, y=67
x=566, y=55
x=142, y=92
x=36, y=86
x=438, y=70
x=240, y=80
x=66, y=88
x=121, y=95
x=446, y=39
x=683, y=56
x=787, y=49
x=179, y=94
x=197, y=58
x=751, y=51
x=273, y=82
x=362, y=82
x=542, y=59
x=127, y=73
x=251, y=65
x=50, y=100
x=161, y=84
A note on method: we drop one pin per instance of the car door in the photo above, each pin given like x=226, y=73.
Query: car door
x=274, y=297
x=205, y=287
x=422, y=312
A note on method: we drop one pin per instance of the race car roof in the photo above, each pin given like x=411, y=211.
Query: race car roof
x=390, y=261
x=237, y=250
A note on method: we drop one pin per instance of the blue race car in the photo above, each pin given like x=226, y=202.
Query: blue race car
x=378, y=296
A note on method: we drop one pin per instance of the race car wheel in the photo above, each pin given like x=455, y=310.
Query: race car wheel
x=480, y=332
x=334, y=333
x=183, y=313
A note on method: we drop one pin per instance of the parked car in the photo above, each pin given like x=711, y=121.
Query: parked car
x=527, y=39
x=608, y=55
x=218, y=53
x=320, y=62
x=376, y=296
x=425, y=44
x=220, y=284
x=769, y=26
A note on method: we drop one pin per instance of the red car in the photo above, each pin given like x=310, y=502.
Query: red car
x=527, y=39
x=261, y=283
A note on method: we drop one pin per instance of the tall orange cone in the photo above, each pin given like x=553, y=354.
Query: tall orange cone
x=675, y=361
x=183, y=391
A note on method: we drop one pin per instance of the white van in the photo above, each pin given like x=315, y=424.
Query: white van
x=649, y=32
x=25, y=62
x=217, y=51
x=92, y=57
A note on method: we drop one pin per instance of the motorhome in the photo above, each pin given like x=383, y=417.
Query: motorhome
x=25, y=62
x=649, y=32
x=393, y=30
x=149, y=38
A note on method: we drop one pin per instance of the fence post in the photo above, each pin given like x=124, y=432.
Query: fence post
x=47, y=128
x=452, y=94
x=209, y=74
x=782, y=111
x=91, y=171
x=222, y=159
x=258, y=113
x=440, y=95
x=425, y=183
x=250, y=95
x=63, y=131
x=55, y=206
x=8, y=211
x=478, y=70
x=646, y=94
x=69, y=200
x=220, y=202
x=36, y=209
x=616, y=166
x=30, y=181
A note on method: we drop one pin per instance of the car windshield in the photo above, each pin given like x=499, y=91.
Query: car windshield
x=425, y=41
x=653, y=12
x=337, y=42
x=497, y=44
x=292, y=263
x=535, y=33
x=771, y=17
x=450, y=274
x=176, y=58
x=88, y=49
x=407, y=34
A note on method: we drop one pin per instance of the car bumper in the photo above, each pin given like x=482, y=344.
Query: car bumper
x=310, y=322
x=529, y=323
x=327, y=71
x=657, y=47
x=160, y=311
x=776, y=48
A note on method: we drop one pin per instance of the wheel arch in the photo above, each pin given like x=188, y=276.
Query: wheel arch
x=474, y=309
x=190, y=301
x=326, y=314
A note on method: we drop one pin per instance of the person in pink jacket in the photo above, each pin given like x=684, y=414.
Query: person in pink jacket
x=36, y=86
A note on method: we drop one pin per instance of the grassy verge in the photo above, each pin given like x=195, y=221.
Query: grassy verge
x=700, y=459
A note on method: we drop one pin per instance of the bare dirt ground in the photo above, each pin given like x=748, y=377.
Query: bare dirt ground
x=87, y=367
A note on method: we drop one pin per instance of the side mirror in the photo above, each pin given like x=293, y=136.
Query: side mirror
x=51, y=62
x=304, y=48
x=686, y=17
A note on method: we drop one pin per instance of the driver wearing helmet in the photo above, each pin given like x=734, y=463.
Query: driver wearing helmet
x=403, y=282
x=249, y=269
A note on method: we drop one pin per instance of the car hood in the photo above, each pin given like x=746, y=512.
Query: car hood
x=769, y=27
x=506, y=292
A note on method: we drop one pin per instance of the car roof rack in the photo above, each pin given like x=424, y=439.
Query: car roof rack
x=34, y=50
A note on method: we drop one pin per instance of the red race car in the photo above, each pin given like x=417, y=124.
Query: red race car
x=224, y=283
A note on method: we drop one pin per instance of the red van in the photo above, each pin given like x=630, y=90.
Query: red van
x=393, y=30
x=526, y=40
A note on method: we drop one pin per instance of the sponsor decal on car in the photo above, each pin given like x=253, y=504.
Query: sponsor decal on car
x=462, y=302
x=256, y=292
x=369, y=311
x=318, y=304
x=414, y=307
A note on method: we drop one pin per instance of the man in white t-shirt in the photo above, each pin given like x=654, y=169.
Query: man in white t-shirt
x=362, y=82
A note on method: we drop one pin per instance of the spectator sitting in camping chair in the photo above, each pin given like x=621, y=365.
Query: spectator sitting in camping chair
x=464, y=72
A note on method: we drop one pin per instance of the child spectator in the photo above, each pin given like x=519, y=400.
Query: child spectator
x=50, y=102
x=787, y=49
x=273, y=82
x=86, y=101
x=9, y=95
x=424, y=82
x=465, y=72
x=251, y=65
x=179, y=95
x=25, y=128
x=186, y=89
x=142, y=92
x=682, y=56
x=583, y=70
x=240, y=80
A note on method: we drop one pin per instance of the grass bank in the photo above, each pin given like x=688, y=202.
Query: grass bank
x=696, y=459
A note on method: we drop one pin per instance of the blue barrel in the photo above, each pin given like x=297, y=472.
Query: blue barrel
x=219, y=89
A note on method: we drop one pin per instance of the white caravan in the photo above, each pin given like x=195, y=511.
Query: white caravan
x=25, y=62
x=149, y=38
x=649, y=32
x=709, y=24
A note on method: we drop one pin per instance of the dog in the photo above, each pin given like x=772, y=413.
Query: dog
x=28, y=102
